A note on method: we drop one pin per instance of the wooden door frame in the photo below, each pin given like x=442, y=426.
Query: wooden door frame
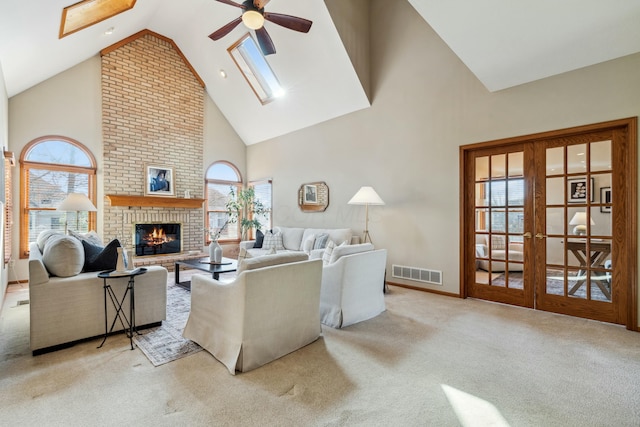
x=629, y=169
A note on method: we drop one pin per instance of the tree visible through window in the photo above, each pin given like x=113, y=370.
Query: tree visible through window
x=51, y=168
x=221, y=177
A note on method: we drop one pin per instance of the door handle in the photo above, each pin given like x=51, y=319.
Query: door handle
x=527, y=235
x=540, y=236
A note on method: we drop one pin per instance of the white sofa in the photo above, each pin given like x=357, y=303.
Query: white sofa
x=268, y=311
x=294, y=239
x=352, y=284
x=64, y=310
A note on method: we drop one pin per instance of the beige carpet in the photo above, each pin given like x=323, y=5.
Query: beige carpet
x=429, y=360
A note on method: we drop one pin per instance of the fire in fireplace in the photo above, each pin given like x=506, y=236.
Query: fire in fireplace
x=157, y=239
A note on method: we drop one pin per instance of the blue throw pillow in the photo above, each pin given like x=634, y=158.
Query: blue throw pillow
x=98, y=258
x=321, y=241
x=259, y=239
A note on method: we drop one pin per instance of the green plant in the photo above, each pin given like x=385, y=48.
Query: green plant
x=243, y=208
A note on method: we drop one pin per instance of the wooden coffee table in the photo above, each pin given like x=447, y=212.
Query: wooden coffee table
x=203, y=264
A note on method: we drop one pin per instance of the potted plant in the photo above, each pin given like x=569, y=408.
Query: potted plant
x=243, y=208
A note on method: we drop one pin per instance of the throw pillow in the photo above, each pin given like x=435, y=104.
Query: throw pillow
x=321, y=241
x=63, y=256
x=259, y=239
x=98, y=258
x=45, y=235
x=272, y=251
x=497, y=243
x=328, y=250
x=307, y=245
x=272, y=240
x=91, y=237
x=243, y=254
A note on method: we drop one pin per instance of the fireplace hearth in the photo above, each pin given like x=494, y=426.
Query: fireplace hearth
x=157, y=238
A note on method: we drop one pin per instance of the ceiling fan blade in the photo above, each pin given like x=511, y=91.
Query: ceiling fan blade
x=265, y=42
x=291, y=22
x=223, y=31
x=260, y=4
x=232, y=3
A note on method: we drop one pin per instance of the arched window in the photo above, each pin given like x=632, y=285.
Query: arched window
x=220, y=178
x=51, y=168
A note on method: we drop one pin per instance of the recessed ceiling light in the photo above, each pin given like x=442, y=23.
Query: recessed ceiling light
x=109, y=31
x=223, y=74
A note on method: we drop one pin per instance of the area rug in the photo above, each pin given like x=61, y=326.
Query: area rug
x=165, y=343
x=555, y=285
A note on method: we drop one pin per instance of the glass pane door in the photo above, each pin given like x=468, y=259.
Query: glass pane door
x=577, y=216
x=499, y=226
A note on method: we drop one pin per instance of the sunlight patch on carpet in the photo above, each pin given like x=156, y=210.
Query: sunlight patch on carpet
x=473, y=411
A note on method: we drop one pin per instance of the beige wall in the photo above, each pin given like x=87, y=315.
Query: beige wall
x=425, y=104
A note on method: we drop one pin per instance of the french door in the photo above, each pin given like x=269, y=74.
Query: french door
x=549, y=222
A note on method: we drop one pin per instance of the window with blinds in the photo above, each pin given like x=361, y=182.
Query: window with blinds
x=263, y=194
x=9, y=162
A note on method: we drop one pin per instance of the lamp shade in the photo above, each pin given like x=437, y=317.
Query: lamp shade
x=580, y=222
x=580, y=218
x=77, y=202
x=366, y=196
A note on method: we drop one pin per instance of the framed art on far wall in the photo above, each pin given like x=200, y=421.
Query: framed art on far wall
x=159, y=180
x=605, y=198
x=313, y=197
x=310, y=194
x=577, y=190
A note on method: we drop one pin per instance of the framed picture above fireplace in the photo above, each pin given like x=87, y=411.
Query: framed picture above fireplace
x=159, y=180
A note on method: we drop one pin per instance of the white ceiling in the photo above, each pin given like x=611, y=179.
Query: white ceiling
x=504, y=43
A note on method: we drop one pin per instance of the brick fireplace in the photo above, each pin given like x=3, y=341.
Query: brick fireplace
x=152, y=111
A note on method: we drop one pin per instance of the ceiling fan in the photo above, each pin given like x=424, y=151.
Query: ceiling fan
x=254, y=16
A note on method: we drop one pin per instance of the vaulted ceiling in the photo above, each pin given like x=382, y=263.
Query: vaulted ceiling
x=504, y=43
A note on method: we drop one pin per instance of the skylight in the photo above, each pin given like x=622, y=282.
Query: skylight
x=88, y=12
x=255, y=69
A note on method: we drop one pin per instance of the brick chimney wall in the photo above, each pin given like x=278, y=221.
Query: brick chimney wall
x=152, y=112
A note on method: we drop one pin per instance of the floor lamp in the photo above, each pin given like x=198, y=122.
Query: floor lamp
x=76, y=202
x=366, y=196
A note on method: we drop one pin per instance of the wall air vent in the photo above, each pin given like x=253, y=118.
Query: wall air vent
x=417, y=274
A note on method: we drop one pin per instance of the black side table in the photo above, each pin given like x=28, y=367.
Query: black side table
x=130, y=322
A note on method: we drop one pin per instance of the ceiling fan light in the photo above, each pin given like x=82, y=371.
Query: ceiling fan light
x=253, y=19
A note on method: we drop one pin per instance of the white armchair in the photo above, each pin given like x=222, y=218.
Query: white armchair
x=352, y=285
x=499, y=251
x=266, y=313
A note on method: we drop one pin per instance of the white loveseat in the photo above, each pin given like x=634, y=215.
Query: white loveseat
x=352, y=284
x=297, y=239
x=64, y=310
x=268, y=311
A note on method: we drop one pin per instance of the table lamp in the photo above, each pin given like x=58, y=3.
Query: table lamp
x=580, y=222
x=366, y=196
x=76, y=202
